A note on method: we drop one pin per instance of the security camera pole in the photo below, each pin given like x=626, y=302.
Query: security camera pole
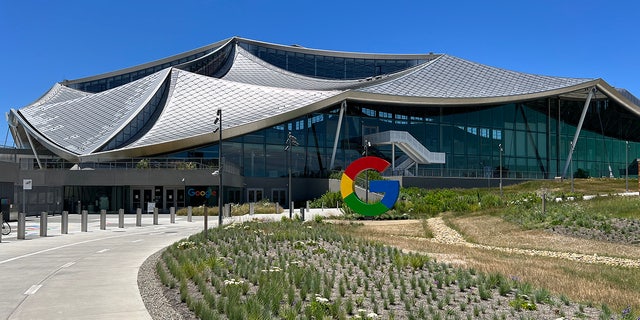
x=291, y=142
x=220, y=193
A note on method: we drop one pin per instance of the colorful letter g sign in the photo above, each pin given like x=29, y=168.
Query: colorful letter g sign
x=391, y=189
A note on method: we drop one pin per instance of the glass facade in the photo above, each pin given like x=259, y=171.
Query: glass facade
x=329, y=67
x=535, y=137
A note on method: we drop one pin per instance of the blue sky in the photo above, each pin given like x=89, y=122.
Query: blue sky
x=44, y=42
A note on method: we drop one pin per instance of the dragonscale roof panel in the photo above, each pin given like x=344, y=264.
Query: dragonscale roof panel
x=191, y=109
x=82, y=124
x=451, y=77
x=250, y=69
x=58, y=93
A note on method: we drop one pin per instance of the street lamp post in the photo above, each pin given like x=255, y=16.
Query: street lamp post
x=367, y=144
x=290, y=143
x=571, y=165
x=626, y=166
x=501, y=151
x=220, y=192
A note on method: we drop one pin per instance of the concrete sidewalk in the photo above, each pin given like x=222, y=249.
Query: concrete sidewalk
x=90, y=275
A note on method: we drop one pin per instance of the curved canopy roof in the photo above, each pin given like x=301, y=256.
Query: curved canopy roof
x=171, y=104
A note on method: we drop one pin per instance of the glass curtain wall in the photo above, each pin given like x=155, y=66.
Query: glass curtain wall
x=535, y=138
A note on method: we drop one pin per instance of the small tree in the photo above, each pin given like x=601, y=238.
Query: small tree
x=143, y=164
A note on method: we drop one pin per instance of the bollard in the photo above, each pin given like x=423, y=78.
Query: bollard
x=291, y=210
x=252, y=208
x=103, y=219
x=21, y=225
x=138, y=217
x=302, y=213
x=43, y=224
x=307, y=205
x=84, y=220
x=189, y=214
x=277, y=208
x=172, y=215
x=155, y=216
x=206, y=221
x=227, y=210
x=121, y=218
x=64, y=223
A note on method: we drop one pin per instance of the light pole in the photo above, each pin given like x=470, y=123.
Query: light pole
x=626, y=166
x=290, y=143
x=184, y=190
x=501, y=151
x=571, y=165
x=218, y=172
x=367, y=144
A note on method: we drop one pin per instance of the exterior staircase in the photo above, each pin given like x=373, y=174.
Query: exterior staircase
x=415, y=152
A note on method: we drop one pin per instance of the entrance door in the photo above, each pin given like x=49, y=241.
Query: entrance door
x=141, y=197
x=254, y=194
x=170, y=199
x=279, y=196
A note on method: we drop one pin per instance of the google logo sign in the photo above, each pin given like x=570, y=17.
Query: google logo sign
x=200, y=193
x=391, y=189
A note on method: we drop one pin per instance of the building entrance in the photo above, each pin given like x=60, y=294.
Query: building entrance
x=141, y=197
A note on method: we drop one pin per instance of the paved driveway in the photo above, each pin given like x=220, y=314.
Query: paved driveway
x=82, y=275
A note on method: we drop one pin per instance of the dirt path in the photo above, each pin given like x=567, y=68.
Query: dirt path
x=443, y=234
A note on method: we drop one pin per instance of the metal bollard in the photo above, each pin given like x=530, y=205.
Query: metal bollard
x=155, y=216
x=307, y=205
x=84, y=221
x=189, y=214
x=252, y=208
x=121, y=218
x=139, y=217
x=206, y=220
x=172, y=215
x=291, y=210
x=64, y=223
x=227, y=210
x=277, y=208
x=43, y=224
x=22, y=217
x=103, y=219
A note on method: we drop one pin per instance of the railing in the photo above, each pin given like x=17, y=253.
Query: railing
x=145, y=163
x=410, y=145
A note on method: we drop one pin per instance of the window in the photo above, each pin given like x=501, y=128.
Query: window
x=369, y=112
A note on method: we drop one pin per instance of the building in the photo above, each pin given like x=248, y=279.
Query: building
x=151, y=133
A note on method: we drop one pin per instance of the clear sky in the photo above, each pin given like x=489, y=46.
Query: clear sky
x=44, y=42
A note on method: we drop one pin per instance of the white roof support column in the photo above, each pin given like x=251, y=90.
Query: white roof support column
x=343, y=108
x=578, y=129
x=33, y=148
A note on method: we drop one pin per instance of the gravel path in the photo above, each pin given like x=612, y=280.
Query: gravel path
x=443, y=234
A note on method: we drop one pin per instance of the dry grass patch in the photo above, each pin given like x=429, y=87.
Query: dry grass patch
x=589, y=283
x=495, y=231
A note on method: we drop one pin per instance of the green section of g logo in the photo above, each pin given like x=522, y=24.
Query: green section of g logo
x=391, y=189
